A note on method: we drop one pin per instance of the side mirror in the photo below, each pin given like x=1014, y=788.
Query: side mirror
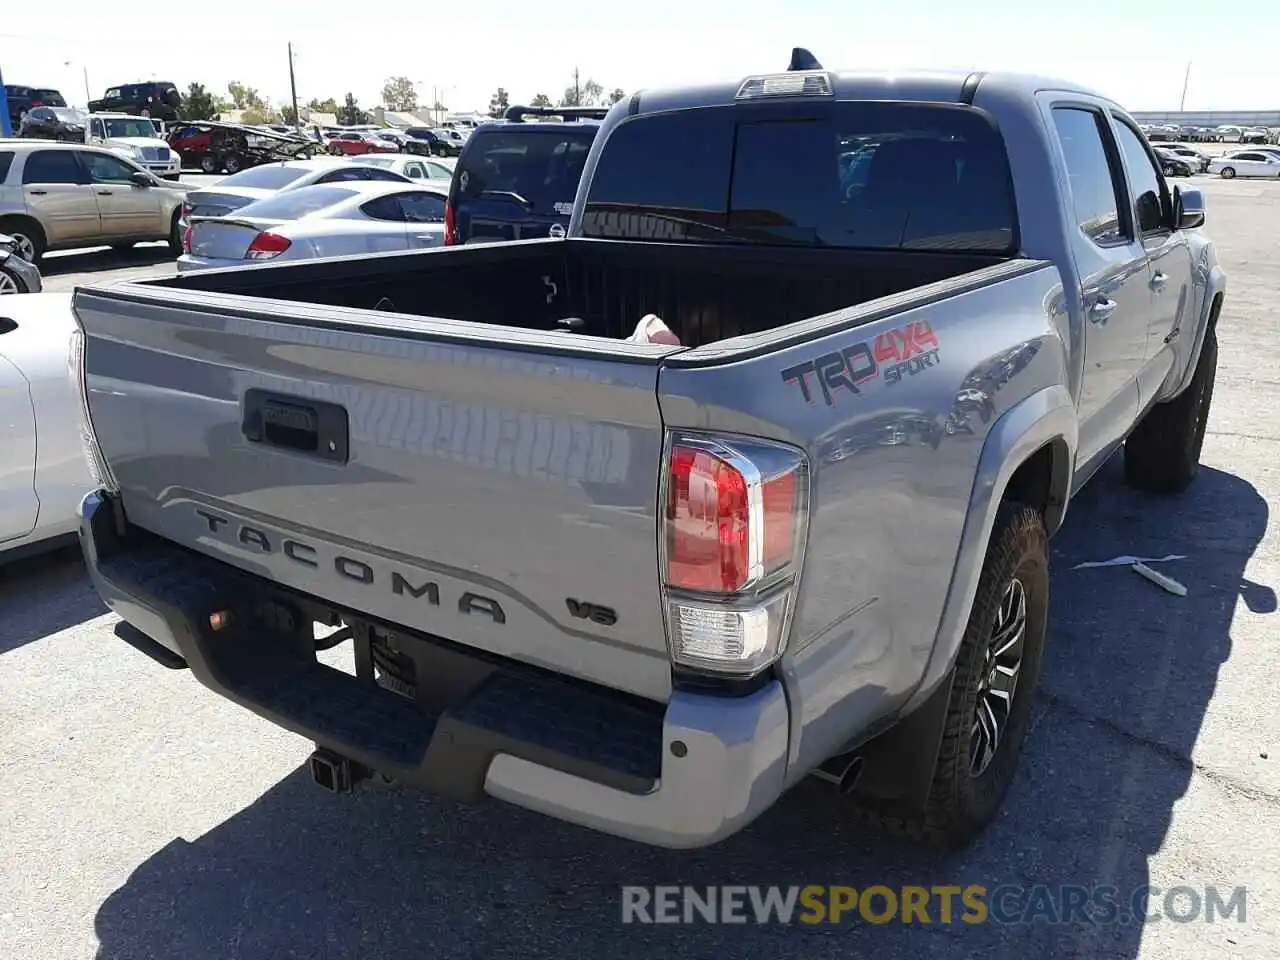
x=140, y=179
x=1190, y=206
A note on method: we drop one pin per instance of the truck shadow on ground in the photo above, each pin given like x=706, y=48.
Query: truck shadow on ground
x=104, y=258
x=390, y=873
x=43, y=594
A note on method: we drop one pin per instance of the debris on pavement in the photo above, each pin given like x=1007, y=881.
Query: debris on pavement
x=1160, y=580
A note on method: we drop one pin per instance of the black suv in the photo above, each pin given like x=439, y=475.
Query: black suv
x=423, y=140
x=22, y=99
x=517, y=180
x=157, y=99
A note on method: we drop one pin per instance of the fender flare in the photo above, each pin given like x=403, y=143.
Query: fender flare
x=1215, y=287
x=1045, y=417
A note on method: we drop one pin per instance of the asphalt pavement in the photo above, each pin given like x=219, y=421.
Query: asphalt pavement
x=143, y=817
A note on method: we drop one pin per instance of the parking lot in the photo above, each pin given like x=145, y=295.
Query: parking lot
x=145, y=817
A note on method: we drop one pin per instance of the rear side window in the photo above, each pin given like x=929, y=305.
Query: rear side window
x=1092, y=182
x=53, y=166
x=542, y=168
x=361, y=173
x=50, y=98
x=6, y=161
x=296, y=203
x=860, y=175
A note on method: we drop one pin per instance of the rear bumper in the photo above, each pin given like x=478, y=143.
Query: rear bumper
x=686, y=776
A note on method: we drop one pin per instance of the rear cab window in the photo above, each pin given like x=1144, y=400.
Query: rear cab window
x=531, y=168
x=869, y=175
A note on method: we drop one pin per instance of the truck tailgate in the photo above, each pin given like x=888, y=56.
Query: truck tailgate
x=498, y=493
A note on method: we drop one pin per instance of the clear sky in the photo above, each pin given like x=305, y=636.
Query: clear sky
x=1132, y=50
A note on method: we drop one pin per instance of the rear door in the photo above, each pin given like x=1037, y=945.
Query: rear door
x=1114, y=275
x=516, y=184
x=57, y=192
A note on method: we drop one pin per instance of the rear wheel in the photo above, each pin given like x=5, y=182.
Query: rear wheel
x=1162, y=455
x=1228, y=172
x=233, y=163
x=30, y=237
x=208, y=164
x=992, y=687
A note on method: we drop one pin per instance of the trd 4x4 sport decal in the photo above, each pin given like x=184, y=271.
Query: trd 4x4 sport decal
x=904, y=351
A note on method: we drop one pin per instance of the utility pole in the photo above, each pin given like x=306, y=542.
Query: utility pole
x=577, y=90
x=1186, y=78
x=293, y=92
x=87, y=95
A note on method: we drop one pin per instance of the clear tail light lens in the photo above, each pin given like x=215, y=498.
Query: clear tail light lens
x=267, y=245
x=736, y=517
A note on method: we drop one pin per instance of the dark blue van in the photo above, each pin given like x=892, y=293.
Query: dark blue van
x=516, y=180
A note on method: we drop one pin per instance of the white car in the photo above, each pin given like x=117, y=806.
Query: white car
x=325, y=220
x=134, y=138
x=258, y=183
x=415, y=168
x=1246, y=163
x=43, y=471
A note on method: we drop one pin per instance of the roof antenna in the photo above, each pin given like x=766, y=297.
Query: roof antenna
x=802, y=59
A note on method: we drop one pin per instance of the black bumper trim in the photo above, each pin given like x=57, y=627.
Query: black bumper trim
x=445, y=746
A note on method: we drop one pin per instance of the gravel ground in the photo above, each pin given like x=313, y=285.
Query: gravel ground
x=144, y=817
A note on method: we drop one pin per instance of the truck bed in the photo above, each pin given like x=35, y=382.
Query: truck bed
x=703, y=293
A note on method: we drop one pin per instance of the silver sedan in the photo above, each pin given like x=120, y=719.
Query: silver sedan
x=328, y=220
x=413, y=167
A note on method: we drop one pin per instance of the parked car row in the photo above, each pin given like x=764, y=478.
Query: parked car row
x=1226, y=133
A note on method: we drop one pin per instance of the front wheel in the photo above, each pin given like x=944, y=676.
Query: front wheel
x=233, y=163
x=1162, y=455
x=208, y=164
x=1227, y=173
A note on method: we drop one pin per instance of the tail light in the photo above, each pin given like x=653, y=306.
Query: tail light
x=450, y=226
x=732, y=543
x=186, y=239
x=99, y=471
x=267, y=245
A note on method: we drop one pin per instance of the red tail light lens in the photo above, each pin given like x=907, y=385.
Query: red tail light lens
x=730, y=521
x=450, y=229
x=267, y=245
x=186, y=239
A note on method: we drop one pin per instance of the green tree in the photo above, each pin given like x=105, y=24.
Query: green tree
x=288, y=115
x=350, y=113
x=245, y=98
x=398, y=93
x=253, y=116
x=323, y=106
x=586, y=94
x=617, y=94
x=199, y=104
x=541, y=100
x=592, y=94
x=499, y=102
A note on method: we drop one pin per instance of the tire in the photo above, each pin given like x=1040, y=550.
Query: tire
x=1227, y=173
x=31, y=239
x=233, y=163
x=965, y=794
x=1162, y=455
x=10, y=282
x=175, y=234
x=208, y=164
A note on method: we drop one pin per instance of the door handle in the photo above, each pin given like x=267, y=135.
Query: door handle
x=39, y=193
x=1101, y=310
x=1159, y=280
x=104, y=193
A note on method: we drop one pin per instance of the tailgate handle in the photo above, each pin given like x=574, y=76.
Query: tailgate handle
x=302, y=425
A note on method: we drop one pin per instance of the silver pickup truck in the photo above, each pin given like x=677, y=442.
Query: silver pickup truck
x=647, y=588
